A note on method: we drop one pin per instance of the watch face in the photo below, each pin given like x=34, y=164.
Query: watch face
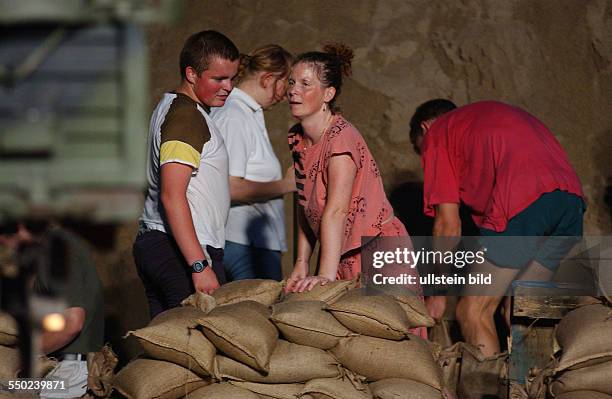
x=197, y=266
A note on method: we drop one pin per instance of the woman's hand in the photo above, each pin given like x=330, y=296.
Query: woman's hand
x=300, y=271
x=308, y=283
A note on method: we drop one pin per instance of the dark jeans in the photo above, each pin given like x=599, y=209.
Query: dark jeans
x=245, y=262
x=164, y=272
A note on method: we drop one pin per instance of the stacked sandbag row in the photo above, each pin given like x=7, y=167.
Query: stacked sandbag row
x=331, y=342
x=584, y=368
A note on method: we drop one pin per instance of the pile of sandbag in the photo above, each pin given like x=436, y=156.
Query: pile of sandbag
x=249, y=341
x=583, y=368
x=9, y=354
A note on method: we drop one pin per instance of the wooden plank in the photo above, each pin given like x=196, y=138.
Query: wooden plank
x=532, y=346
x=544, y=307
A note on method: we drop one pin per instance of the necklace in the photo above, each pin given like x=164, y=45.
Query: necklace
x=308, y=141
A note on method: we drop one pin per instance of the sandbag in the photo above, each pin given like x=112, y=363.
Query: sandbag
x=379, y=359
x=222, y=391
x=594, y=378
x=8, y=330
x=398, y=388
x=307, y=323
x=265, y=292
x=201, y=301
x=289, y=363
x=328, y=293
x=152, y=379
x=584, y=395
x=584, y=335
x=449, y=361
x=335, y=388
x=276, y=391
x=9, y=364
x=482, y=376
x=415, y=310
x=242, y=332
x=373, y=315
x=171, y=336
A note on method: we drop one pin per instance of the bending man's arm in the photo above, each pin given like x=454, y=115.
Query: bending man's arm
x=446, y=236
x=174, y=181
x=52, y=341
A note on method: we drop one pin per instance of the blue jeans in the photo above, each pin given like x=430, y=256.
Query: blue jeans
x=244, y=262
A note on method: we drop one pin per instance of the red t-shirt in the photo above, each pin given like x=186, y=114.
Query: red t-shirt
x=495, y=158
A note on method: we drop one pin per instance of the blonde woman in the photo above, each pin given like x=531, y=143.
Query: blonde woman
x=255, y=231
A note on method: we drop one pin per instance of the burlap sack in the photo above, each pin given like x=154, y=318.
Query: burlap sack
x=151, y=379
x=449, y=361
x=171, y=336
x=584, y=335
x=376, y=315
x=415, y=310
x=265, y=292
x=8, y=330
x=379, y=359
x=201, y=301
x=222, y=391
x=328, y=293
x=482, y=376
x=9, y=363
x=242, y=332
x=584, y=395
x=289, y=363
x=594, y=378
x=307, y=323
x=335, y=388
x=276, y=391
x=398, y=388
x=100, y=372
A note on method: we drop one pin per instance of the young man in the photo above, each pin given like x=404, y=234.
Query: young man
x=182, y=228
x=515, y=178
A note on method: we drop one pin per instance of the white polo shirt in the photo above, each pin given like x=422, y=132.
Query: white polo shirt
x=242, y=125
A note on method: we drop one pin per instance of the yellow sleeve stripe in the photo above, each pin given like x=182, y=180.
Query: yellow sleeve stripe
x=179, y=151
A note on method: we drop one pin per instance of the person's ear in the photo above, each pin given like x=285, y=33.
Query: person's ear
x=266, y=79
x=191, y=74
x=425, y=126
x=329, y=94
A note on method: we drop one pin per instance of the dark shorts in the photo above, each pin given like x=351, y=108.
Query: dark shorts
x=545, y=232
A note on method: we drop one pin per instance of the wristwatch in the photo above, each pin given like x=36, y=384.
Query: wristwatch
x=198, y=266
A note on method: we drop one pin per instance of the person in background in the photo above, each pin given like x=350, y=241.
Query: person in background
x=340, y=190
x=513, y=175
x=180, y=242
x=83, y=329
x=255, y=231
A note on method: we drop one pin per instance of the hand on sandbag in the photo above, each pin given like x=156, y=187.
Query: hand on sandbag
x=206, y=281
x=300, y=271
x=308, y=283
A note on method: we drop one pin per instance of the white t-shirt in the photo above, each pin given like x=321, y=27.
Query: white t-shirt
x=241, y=122
x=181, y=131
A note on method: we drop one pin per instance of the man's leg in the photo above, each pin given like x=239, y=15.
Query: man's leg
x=165, y=270
x=475, y=310
x=143, y=257
x=238, y=261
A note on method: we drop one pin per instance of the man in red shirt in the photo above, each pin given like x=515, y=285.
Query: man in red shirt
x=513, y=175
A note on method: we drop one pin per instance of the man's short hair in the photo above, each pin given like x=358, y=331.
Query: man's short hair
x=201, y=47
x=428, y=110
